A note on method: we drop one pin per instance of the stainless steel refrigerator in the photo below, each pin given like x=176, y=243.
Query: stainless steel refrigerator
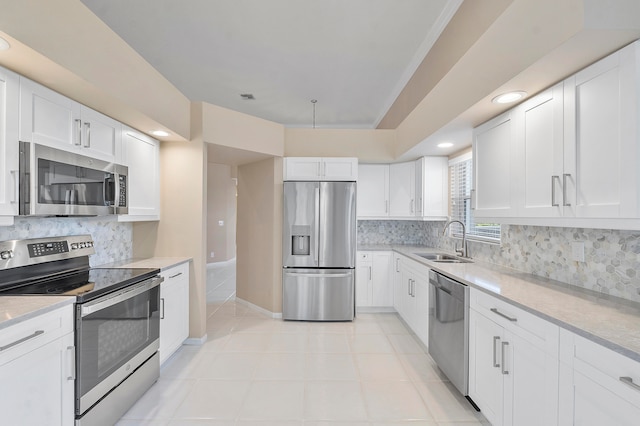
x=319, y=251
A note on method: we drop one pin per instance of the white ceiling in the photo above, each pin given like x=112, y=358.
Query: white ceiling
x=354, y=57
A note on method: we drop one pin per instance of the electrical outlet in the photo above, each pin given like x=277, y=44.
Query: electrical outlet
x=213, y=255
x=577, y=251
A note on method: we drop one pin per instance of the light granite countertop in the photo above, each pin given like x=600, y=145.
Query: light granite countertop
x=607, y=320
x=15, y=309
x=162, y=263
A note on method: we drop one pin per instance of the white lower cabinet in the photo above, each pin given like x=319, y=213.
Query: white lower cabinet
x=174, y=309
x=597, y=386
x=374, y=285
x=37, y=369
x=411, y=296
x=513, y=363
x=9, y=104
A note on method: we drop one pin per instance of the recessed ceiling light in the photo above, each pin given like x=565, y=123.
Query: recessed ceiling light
x=507, y=98
x=445, y=145
x=4, y=44
x=160, y=133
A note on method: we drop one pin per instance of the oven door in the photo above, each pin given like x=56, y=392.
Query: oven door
x=61, y=183
x=115, y=334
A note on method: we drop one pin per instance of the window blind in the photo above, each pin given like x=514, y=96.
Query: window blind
x=460, y=176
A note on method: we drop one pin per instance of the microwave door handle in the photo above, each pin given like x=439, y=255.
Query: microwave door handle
x=116, y=197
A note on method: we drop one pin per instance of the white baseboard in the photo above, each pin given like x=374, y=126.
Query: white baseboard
x=375, y=309
x=274, y=315
x=196, y=341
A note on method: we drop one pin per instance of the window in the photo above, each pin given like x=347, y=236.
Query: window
x=460, y=176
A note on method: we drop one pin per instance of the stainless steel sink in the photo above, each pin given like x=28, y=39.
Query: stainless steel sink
x=443, y=258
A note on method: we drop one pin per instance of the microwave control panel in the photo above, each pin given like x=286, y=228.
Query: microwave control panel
x=122, y=202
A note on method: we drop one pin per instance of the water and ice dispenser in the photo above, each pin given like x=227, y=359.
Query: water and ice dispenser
x=301, y=240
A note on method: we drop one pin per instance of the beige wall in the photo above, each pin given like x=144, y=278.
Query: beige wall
x=221, y=206
x=259, y=234
x=366, y=145
x=222, y=126
x=182, y=227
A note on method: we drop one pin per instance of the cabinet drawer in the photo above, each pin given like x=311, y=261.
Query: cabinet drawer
x=22, y=338
x=528, y=326
x=176, y=274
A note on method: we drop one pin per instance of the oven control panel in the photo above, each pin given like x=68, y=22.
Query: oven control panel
x=47, y=248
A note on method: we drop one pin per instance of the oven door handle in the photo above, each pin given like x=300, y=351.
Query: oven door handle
x=120, y=296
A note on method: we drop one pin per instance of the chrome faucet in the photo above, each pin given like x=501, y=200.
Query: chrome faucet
x=464, y=251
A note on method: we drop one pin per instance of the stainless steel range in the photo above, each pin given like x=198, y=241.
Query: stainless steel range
x=117, y=319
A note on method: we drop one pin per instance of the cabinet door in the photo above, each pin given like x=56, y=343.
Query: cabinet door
x=602, y=116
x=486, y=386
x=539, y=124
x=382, y=285
x=373, y=190
x=531, y=384
x=435, y=187
x=101, y=136
x=9, y=104
x=48, y=118
x=408, y=310
x=364, y=279
x=302, y=168
x=422, y=308
x=142, y=157
x=340, y=169
x=494, y=154
x=402, y=190
x=398, y=285
x=174, y=306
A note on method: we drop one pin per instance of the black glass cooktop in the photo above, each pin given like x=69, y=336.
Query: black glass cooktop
x=86, y=284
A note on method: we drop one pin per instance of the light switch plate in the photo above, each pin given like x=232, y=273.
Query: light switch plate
x=577, y=251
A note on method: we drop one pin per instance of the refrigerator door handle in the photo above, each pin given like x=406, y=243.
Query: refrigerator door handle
x=317, y=227
x=311, y=275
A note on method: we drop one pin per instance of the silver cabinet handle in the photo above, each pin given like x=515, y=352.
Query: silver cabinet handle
x=178, y=274
x=397, y=264
x=496, y=364
x=72, y=351
x=413, y=288
x=162, y=308
x=87, y=140
x=386, y=206
x=409, y=287
x=553, y=191
x=473, y=199
x=24, y=339
x=629, y=382
x=497, y=312
x=370, y=273
x=78, y=141
x=564, y=190
x=411, y=208
x=504, y=364
x=16, y=186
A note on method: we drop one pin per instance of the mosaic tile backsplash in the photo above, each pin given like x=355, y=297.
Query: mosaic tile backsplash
x=612, y=257
x=112, y=239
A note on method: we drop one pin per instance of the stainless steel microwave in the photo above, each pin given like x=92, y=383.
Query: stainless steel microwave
x=60, y=183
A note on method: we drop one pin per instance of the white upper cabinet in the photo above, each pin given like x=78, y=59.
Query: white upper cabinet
x=317, y=168
x=49, y=118
x=9, y=103
x=141, y=154
x=602, y=137
x=568, y=156
x=410, y=190
x=494, y=153
x=402, y=196
x=539, y=124
x=373, y=190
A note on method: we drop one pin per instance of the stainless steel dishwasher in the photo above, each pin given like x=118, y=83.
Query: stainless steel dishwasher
x=449, y=328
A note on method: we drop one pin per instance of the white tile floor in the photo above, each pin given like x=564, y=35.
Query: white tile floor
x=260, y=371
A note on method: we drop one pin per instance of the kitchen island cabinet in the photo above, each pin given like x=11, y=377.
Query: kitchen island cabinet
x=9, y=105
x=37, y=369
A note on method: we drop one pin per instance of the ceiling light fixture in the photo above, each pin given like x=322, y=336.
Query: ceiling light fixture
x=509, y=97
x=247, y=96
x=4, y=44
x=314, y=101
x=160, y=133
x=445, y=145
